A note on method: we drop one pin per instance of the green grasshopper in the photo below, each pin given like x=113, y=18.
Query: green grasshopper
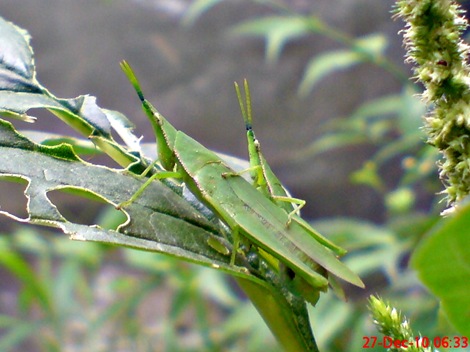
x=267, y=182
x=269, y=185
x=246, y=211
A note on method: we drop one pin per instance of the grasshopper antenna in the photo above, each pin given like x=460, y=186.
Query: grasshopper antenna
x=245, y=107
x=127, y=69
x=148, y=108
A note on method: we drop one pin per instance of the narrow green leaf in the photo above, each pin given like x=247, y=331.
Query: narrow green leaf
x=386, y=105
x=328, y=142
x=36, y=288
x=15, y=336
x=324, y=64
x=363, y=49
x=372, y=44
x=198, y=8
x=65, y=284
x=277, y=31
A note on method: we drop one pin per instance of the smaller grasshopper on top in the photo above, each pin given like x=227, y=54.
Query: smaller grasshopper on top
x=267, y=182
x=270, y=186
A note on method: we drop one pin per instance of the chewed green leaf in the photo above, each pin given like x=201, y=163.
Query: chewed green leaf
x=20, y=92
x=160, y=220
x=124, y=127
x=17, y=72
x=14, y=82
x=81, y=146
x=17, y=54
x=82, y=113
x=443, y=264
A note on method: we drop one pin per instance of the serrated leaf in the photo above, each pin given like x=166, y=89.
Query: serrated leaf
x=442, y=261
x=153, y=225
x=124, y=127
x=20, y=92
x=158, y=221
x=80, y=146
x=17, y=53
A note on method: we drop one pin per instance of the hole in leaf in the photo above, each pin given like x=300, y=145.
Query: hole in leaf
x=12, y=198
x=82, y=207
x=53, y=134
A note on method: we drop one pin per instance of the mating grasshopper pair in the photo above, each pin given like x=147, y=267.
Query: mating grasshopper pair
x=262, y=214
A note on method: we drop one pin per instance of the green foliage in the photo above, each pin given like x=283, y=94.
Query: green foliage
x=154, y=225
x=325, y=64
x=378, y=252
x=161, y=220
x=72, y=295
x=442, y=263
x=277, y=31
x=197, y=8
x=280, y=30
x=392, y=126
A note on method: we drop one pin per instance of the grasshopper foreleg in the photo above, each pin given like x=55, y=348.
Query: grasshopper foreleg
x=297, y=205
x=159, y=175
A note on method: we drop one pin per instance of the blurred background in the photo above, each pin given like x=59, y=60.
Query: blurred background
x=188, y=71
x=334, y=112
